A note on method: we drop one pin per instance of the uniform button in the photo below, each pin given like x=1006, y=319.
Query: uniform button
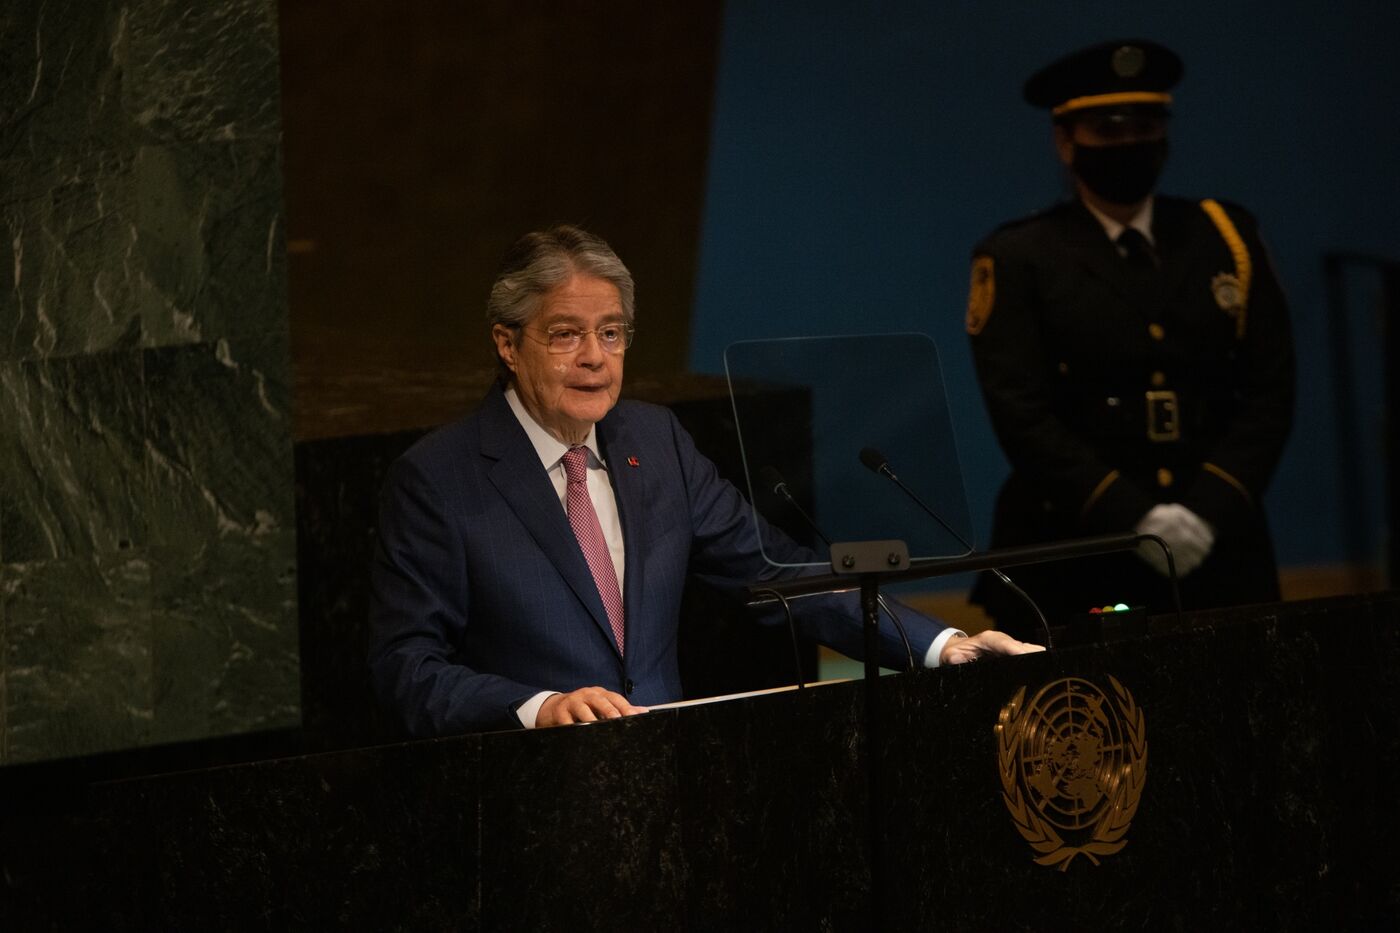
x=1164, y=477
x=1064, y=369
x=1112, y=401
x=628, y=687
x=1157, y=331
x=1159, y=379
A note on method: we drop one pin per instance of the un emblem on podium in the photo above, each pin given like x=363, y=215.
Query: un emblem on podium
x=1073, y=762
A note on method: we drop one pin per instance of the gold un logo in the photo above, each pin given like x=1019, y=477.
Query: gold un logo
x=1073, y=763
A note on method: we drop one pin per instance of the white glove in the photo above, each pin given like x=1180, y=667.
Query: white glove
x=1186, y=533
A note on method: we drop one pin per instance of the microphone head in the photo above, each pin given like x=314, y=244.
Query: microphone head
x=771, y=478
x=873, y=459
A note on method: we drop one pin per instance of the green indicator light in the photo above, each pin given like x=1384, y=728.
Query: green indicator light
x=1121, y=607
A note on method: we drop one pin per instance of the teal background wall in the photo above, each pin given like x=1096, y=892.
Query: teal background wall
x=147, y=578
x=858, y=151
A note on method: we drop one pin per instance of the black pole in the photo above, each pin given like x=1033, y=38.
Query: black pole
x=1346, y=405
x=1390, y=326
x=1350, y=488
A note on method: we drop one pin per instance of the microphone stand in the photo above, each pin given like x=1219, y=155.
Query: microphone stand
x=773, y=479
x=983, y=560
x=868, y=562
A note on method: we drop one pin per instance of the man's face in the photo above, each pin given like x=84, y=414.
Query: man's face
x=567, y=393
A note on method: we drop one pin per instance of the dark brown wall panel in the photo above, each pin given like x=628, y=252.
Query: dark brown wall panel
x=421, y=139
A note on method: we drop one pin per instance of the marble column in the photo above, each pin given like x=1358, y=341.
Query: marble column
x=147, y=550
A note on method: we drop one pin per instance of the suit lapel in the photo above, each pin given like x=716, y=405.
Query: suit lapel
x=526, y=488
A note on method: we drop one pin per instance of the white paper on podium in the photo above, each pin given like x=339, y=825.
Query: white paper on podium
x=739, y=696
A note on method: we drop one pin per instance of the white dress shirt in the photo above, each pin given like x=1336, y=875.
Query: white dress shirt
x=1141, y=222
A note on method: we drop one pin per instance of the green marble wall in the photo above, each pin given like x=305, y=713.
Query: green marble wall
x=147, y=553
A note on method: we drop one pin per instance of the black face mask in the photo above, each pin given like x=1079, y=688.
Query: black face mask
x=1121, y=174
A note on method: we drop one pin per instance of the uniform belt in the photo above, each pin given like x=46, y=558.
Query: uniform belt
x=1157, y=416
x=1163, y=416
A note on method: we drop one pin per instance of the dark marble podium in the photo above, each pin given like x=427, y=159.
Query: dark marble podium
x=1270, y=738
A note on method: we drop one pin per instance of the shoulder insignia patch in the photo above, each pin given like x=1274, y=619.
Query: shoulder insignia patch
x=982, y=294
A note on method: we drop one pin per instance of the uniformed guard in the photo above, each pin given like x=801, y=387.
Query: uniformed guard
x=1135, y=355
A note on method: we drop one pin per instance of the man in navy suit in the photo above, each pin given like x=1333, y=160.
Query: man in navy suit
x=532, y=555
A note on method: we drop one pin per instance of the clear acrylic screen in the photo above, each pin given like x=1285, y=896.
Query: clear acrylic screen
x=806, y=407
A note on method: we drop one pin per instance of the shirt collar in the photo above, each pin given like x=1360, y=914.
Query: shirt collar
x=547, y=446
x=1141, y=221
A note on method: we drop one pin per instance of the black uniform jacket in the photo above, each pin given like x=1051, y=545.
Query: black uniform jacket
x=1115, y=383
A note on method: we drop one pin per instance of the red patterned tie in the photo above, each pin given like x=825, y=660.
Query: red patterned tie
x=590, y=537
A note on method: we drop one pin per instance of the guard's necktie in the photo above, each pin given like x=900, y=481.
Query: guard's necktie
x=584, y=520
x=1136, y=248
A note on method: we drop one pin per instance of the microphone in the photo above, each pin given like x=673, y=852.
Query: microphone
x=773, y=480
x=876, y=462
x=879, y=464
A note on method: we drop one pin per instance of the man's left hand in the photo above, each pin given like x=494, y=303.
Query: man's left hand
x=990, y=642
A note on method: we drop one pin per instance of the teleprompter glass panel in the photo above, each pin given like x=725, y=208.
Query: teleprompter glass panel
x=871, y=410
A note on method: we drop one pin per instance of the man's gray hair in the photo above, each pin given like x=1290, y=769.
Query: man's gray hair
x=545, y=259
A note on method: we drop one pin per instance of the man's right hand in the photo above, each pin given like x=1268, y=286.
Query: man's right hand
x=588, y=704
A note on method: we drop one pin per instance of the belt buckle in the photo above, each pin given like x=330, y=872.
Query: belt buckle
x=1163, y=416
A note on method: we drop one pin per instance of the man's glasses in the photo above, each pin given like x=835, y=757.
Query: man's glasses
x=561, y=338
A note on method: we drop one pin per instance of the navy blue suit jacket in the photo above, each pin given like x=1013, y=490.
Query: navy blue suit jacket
x=482, y=597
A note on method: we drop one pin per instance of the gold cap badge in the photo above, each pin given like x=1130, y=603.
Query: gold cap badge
x=1128, y=61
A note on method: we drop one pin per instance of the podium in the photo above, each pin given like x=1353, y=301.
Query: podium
x=1252, y=771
